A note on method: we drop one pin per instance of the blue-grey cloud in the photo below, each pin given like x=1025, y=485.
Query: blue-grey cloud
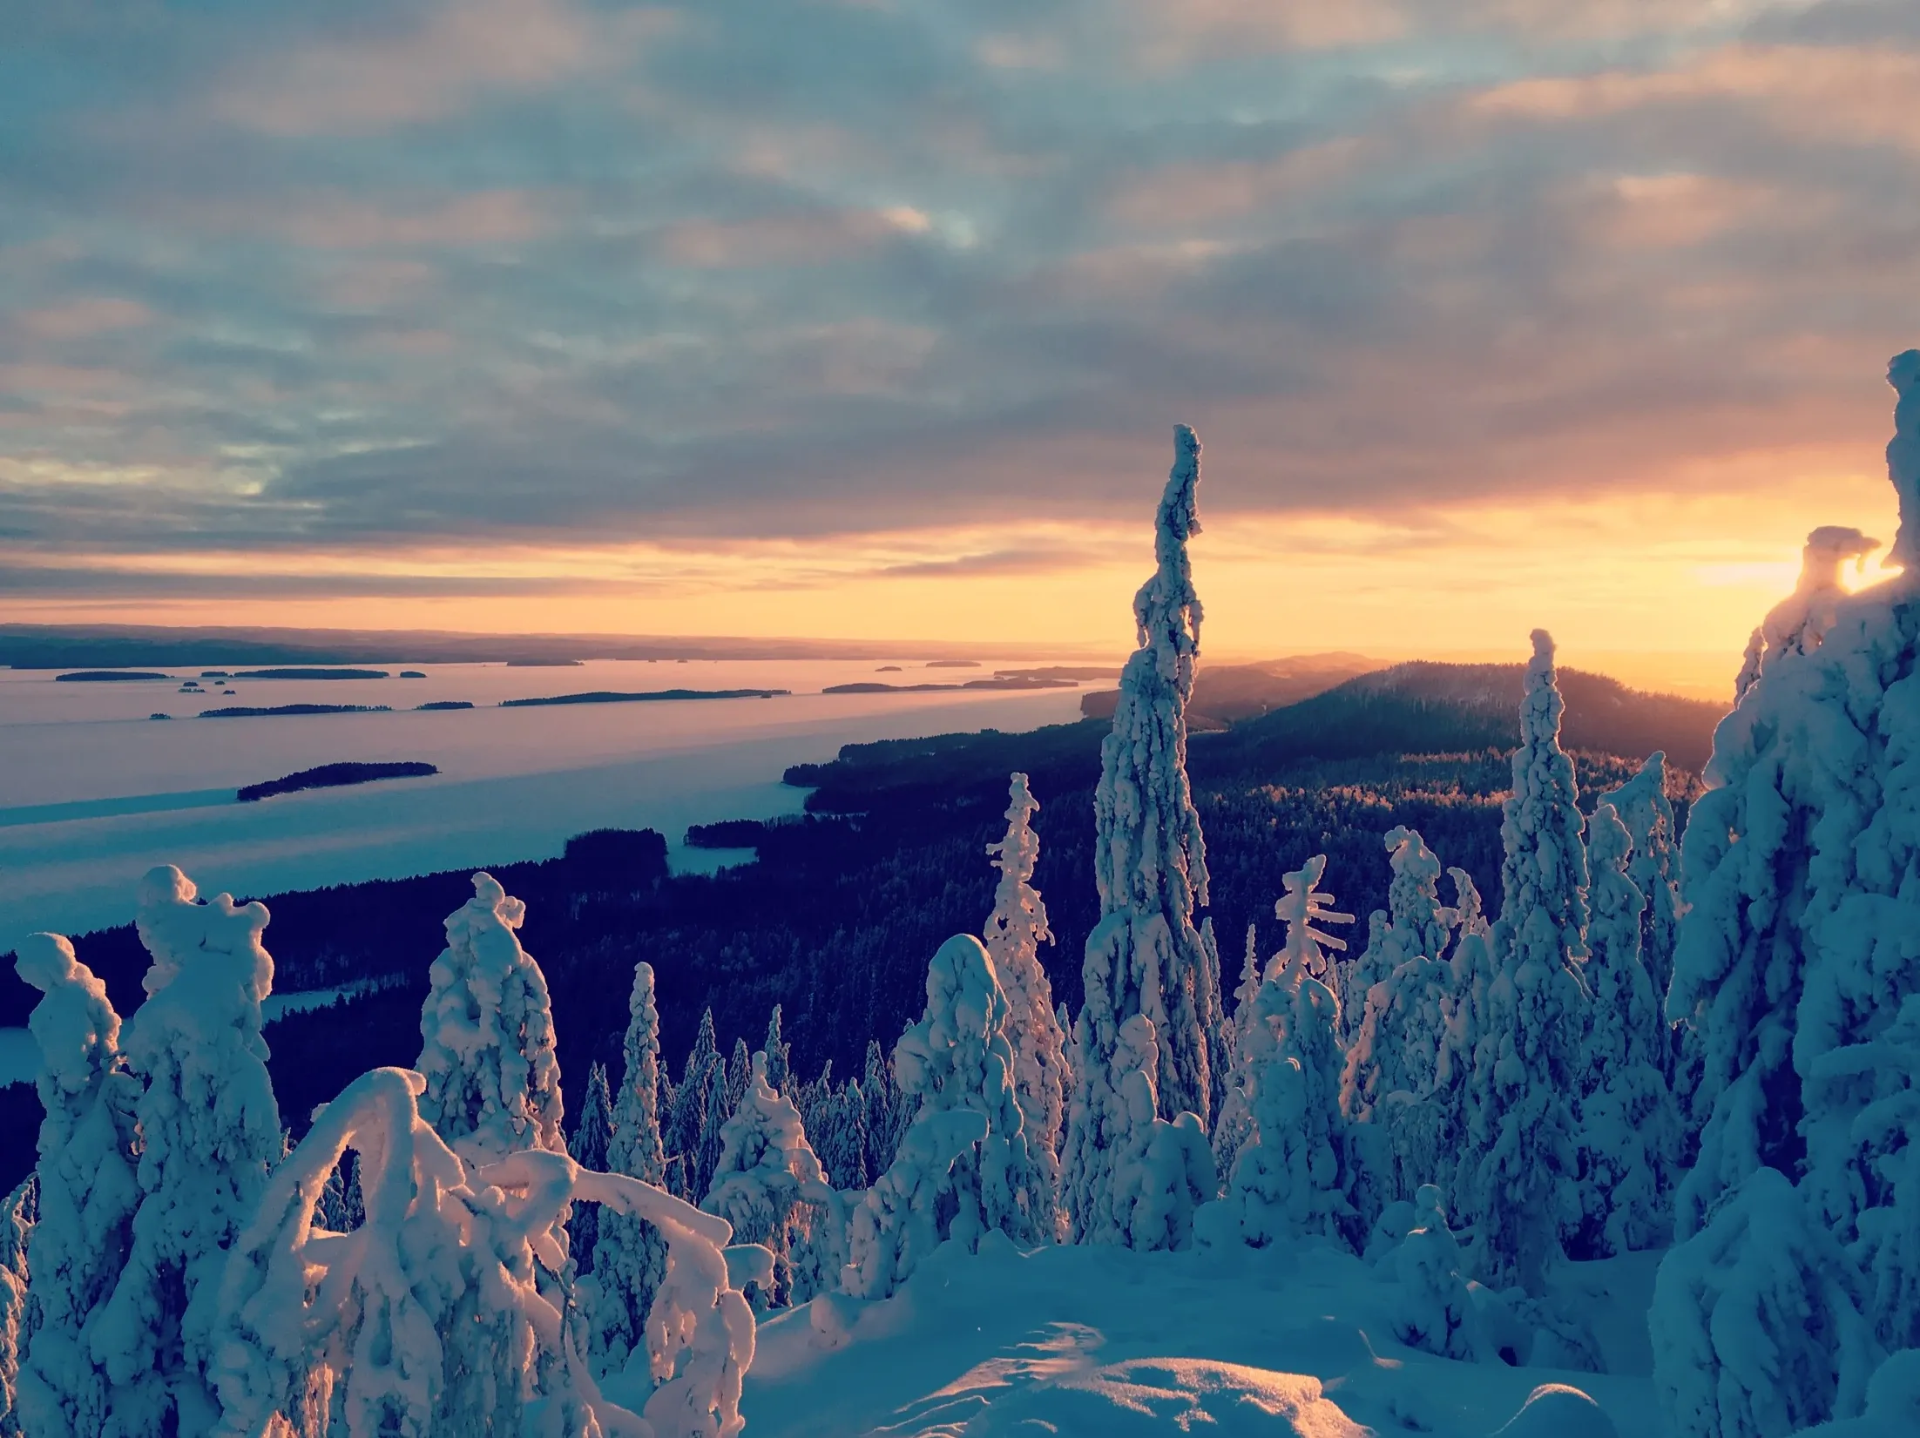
x=451, y=270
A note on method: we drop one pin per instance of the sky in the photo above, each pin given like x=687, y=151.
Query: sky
x=872, y=318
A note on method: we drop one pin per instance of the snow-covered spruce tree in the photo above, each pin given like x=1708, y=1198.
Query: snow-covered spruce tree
x=689, y=1121
x=739, y=1076
x=87, y=1190
x=1795, y=944
x=629, y=1256
x=1233, y=1125
x=1014, y=932
x=766, y=1167
x=592, y=1133
x=1417, y=924
x=958, y=1057
x=842, y=1128
x=1629, y=1127
x=16, y=1222
x=1144, y=956
x=1295, y=1178
x=1756, y=1323
x=779, y=1055
x=209, y=1129
x=1526, y=1066
x=486, y=1028
x=897, y=1223
x=1654, y=867
x=429, y=1319
x=1219, y=1045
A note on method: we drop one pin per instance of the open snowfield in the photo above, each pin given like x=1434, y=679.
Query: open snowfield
x=94, y=793
x=1105, y=1342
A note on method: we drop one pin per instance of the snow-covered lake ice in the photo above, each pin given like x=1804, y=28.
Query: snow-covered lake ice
x=93, y=792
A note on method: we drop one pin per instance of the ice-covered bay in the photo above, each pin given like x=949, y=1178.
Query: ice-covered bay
x=514, y=783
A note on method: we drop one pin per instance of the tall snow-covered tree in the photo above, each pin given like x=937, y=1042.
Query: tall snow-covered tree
x=1294, y=1179
x=1144, y=957
x=766, y=1168
x=958, y=1057
x=592, y=1132
x=629, y=1255
x=1629, y=1128
x=486, y=1029
x=209, y=1131
x=1014, y=932
x=87, y=1190
x=739, y=1076
x=1526, y=1066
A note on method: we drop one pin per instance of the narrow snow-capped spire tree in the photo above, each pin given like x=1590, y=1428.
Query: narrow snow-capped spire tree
x=209, y=1132
x=1294, y=1179
x=779, y=1055
x=1629, y=1128
x=1519, y=1138
x=486, y=1029
x=1144, y=958
x=592, y=1133
x=766, y=1168
x=1233, y=1125
x=88, y=1191
x=629, y=1255
x=1014, y=932
x=1654, y=868
x=739, y=1077
x=690, y=1109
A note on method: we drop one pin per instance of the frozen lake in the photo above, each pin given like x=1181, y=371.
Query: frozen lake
x=93, y=792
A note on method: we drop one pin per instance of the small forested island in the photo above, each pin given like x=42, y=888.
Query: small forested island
x=1010, y=681
x=107, y=676
x=250, y=711
x=438, y=704
x=413, y=674
x=333, y=776
x=310, y=674
x=609, y=696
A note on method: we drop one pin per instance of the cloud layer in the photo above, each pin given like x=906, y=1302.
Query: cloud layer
x=373, y=279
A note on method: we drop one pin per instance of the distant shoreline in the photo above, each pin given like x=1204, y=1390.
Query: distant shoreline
x=609, y=696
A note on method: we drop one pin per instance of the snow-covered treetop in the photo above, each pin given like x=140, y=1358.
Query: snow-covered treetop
x=1019, y=916
x=74, y=1024
x=173, y=924
x=636, y=1148
x=488, y=1050
x=1903, y=459
x=1300, y=908
x=1166, y=610
x=1803, y=618
x=1545, y=866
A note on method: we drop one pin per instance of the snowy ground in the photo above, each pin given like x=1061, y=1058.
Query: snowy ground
x=514, y=783
x=1104, y=1342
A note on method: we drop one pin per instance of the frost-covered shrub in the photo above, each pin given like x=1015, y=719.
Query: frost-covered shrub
x=209, y=1130
x=87, y=1191
x=430, y=1317
x=1435, y=1310
x=486, y=1029
x=1629, y=1127
x=765, y=1165
x=1520, y=1155
x=1144, y=957
x=1756, y=1324
x=1014, y=932
x=629, y=1256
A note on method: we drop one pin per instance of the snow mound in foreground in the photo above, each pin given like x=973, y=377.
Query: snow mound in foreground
x=1087, y=1341
x=1156, y=1396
